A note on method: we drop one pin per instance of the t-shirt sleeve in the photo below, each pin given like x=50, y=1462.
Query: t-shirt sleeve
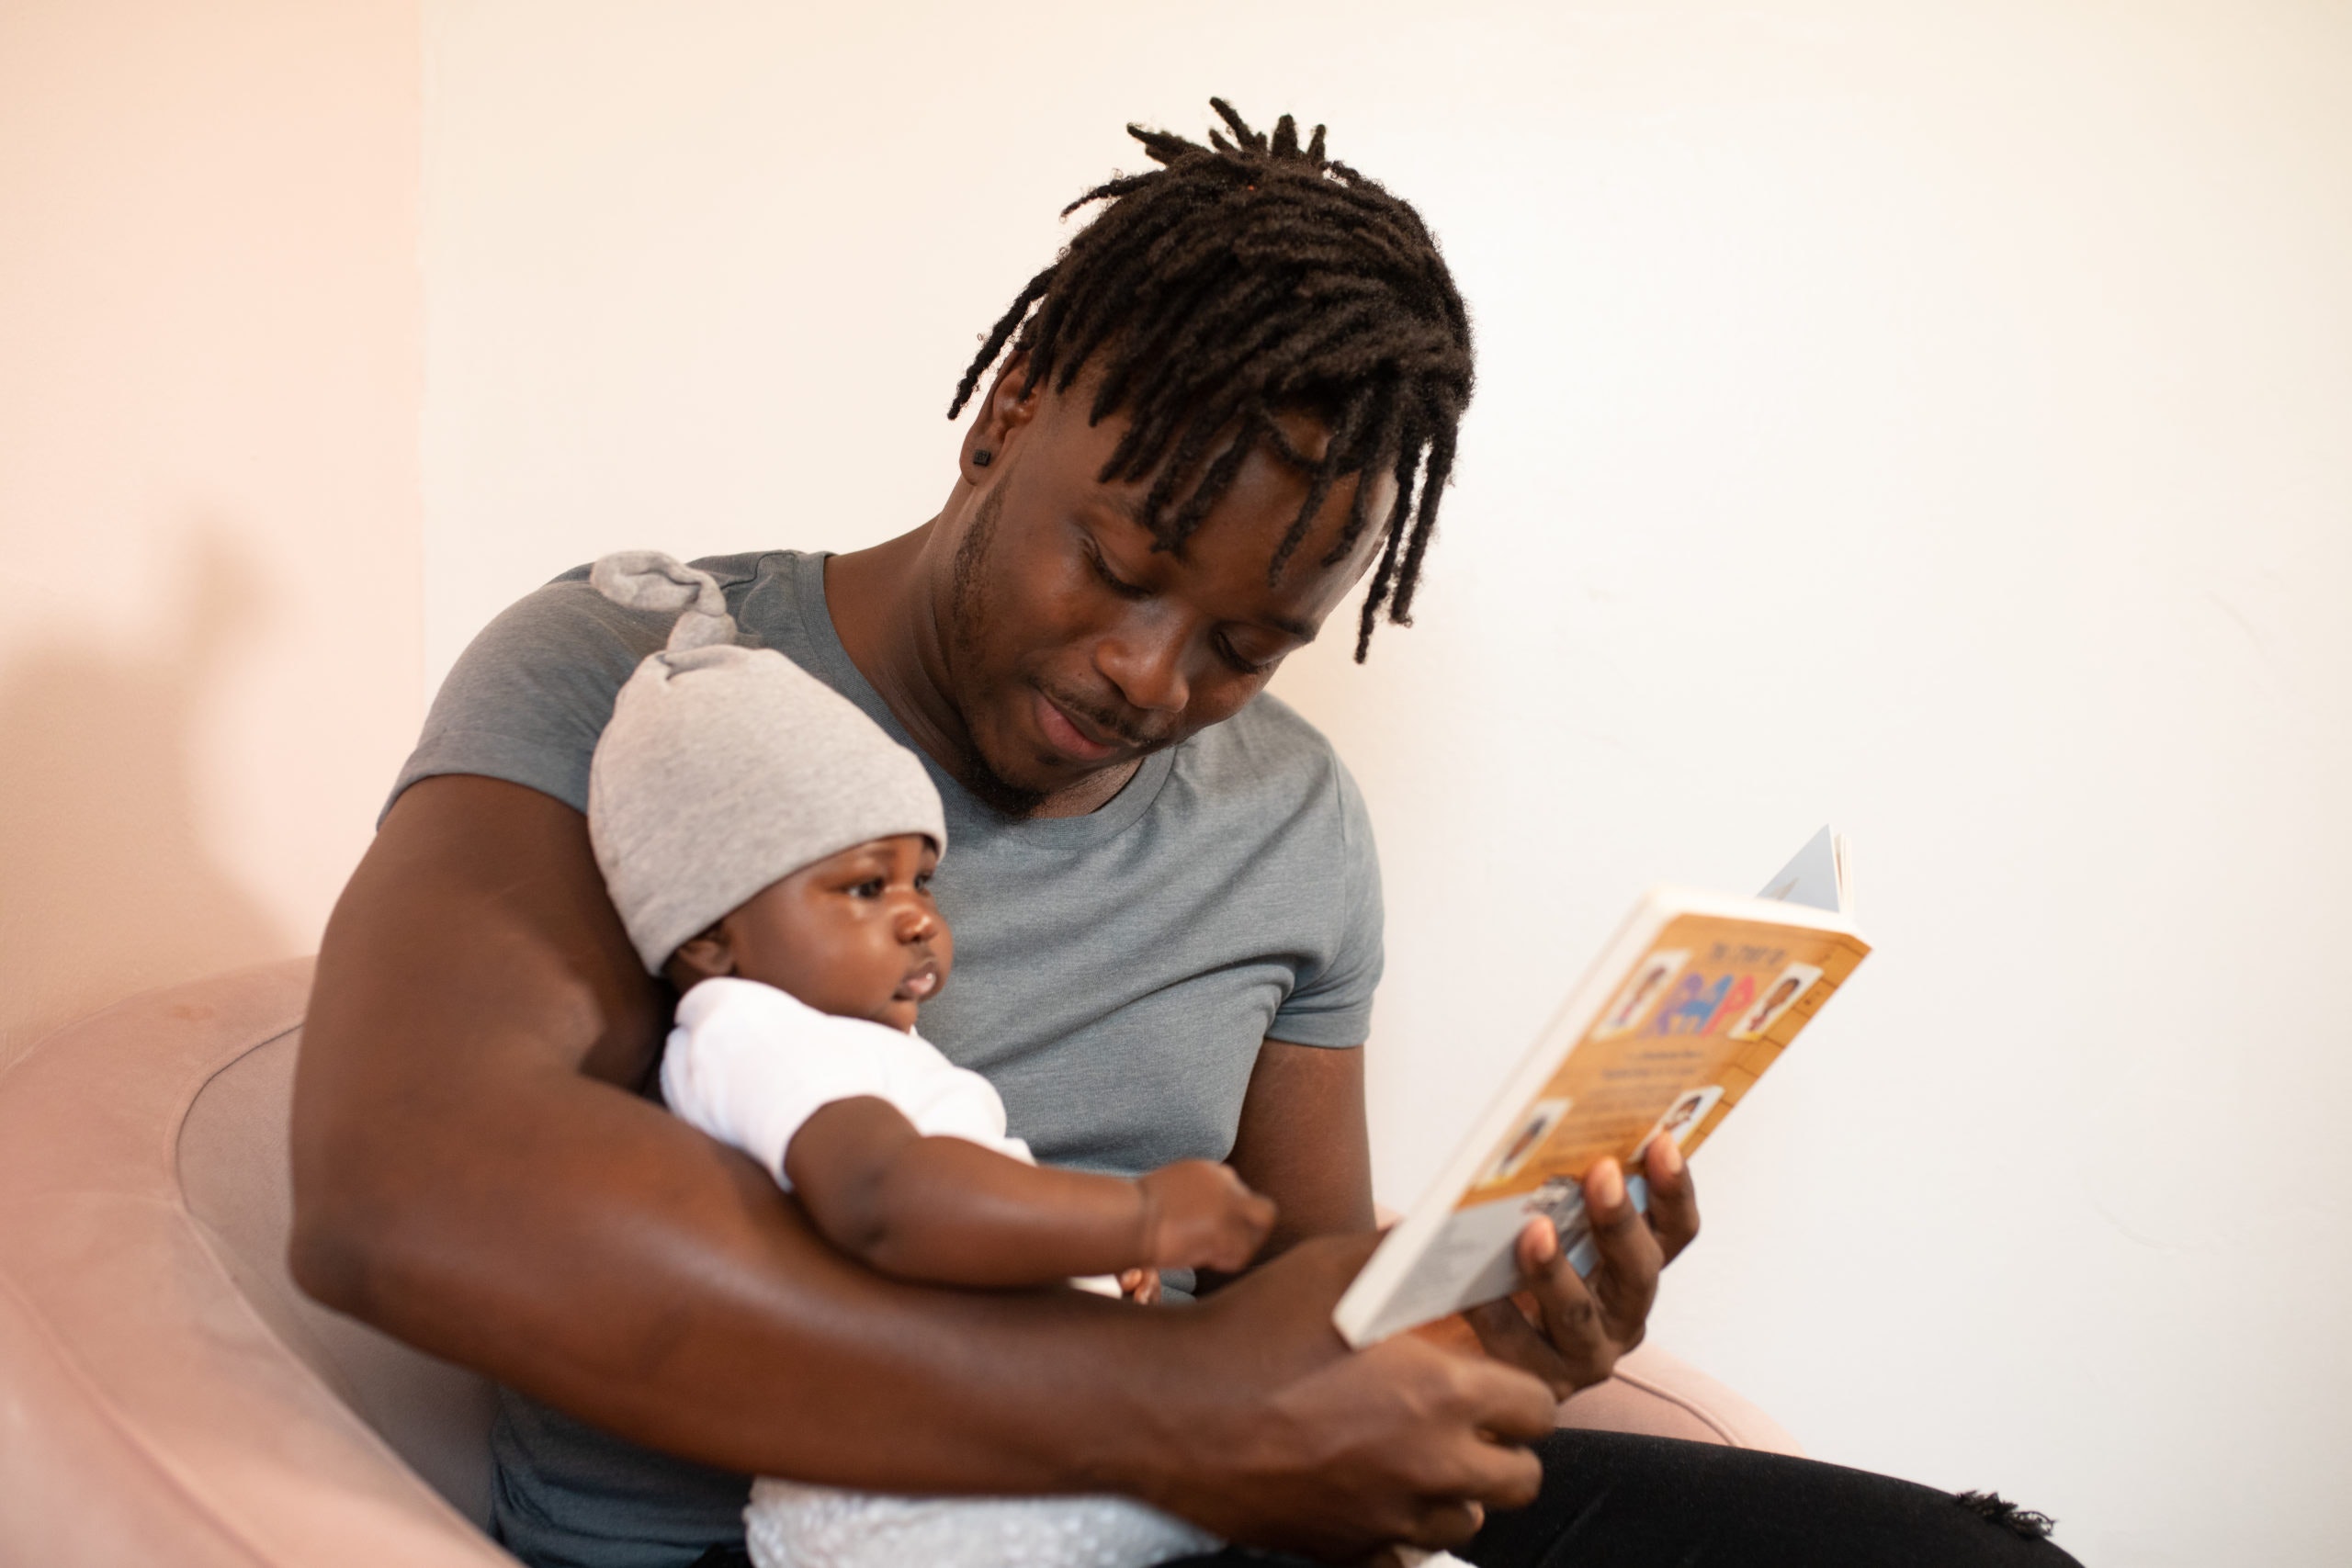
x=528, y=699
x=1331, y=1004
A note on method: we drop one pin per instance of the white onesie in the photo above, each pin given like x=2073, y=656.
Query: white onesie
x=748, y=1063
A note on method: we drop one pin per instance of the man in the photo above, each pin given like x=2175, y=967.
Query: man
x=1234, y=394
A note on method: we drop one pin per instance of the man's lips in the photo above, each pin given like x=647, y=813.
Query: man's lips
x=1065, y=734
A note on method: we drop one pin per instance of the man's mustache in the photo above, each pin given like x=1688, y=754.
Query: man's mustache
x=1110, y=723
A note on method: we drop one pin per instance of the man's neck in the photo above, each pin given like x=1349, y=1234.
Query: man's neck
x=887, y=610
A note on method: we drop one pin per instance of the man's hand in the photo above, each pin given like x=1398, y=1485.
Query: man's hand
x=1586, y=1324
x=1405, y=1441
x=1198, y=1214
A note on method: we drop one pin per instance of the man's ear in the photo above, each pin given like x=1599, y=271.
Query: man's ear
x=1004, y=413
x=705, y=957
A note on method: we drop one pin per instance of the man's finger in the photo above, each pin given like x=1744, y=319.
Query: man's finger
x=1506, y=1335
x=1627, y=1281
x=1591, y=1322
x=1491, y=1475
x=1569, y=1350
x=1505, y=1402
x=1674, y=1200
x=1446, y=1522
x=1575, y=1324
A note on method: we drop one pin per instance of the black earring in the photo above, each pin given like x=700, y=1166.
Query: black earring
x=982, y=458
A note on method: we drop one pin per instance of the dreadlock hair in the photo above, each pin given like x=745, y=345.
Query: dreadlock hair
x=1242, y=279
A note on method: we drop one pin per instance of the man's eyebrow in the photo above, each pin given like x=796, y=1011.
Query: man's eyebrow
x=1131, y=508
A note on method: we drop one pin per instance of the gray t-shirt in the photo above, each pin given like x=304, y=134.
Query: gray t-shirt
x=1115, y=973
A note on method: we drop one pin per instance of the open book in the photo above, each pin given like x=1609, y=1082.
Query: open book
x=1697, y=995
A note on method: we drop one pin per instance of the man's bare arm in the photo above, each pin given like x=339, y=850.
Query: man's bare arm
x=472, y=1175
x=1302, y=1142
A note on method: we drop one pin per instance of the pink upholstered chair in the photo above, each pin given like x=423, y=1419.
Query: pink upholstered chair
x=168, y=1397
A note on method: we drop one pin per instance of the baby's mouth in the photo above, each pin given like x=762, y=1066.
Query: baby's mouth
x=922, y=983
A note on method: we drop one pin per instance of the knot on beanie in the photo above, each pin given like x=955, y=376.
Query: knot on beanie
x=726, y=769
x=648, y=580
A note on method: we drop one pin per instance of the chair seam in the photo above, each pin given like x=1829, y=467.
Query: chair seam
x=197, y=1224
x=1704, y=1417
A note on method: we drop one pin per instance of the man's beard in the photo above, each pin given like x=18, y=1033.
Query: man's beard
x=967, y=620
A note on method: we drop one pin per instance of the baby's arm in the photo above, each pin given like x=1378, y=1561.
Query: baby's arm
x=949, y=1211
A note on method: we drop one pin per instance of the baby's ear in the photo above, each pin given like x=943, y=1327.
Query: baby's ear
x=704, y=957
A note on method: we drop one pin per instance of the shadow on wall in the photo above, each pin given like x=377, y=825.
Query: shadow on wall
x=106, y=887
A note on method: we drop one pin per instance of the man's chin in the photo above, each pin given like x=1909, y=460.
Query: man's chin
x=1017, y=788
x=1014, y=773
x=1015, y=796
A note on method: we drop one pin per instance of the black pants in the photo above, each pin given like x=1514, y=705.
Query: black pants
x=1614, y=1501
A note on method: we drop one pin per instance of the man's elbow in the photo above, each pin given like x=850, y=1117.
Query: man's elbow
x=327, y=1260
x=346, y=1221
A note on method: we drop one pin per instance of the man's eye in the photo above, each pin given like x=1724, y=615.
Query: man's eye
x=1233, y=656
x=1111, y=579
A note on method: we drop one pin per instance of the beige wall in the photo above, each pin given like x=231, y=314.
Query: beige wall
x=1931, y=417
x=210, y=362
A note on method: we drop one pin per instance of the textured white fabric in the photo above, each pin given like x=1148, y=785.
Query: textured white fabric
x=748, y=1063
x=792, y=1526
x=725, y=769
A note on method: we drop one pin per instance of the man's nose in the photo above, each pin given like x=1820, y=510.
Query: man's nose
x=1145, y=658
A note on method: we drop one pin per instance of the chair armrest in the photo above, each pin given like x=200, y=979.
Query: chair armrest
x=151, y=1415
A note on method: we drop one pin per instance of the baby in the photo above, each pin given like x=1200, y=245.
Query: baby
x=770, y=850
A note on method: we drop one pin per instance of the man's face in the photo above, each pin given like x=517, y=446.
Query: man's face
x=1075, y=646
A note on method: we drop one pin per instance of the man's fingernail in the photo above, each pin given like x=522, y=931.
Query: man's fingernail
x=1607, y=1189
x=1670, y=1158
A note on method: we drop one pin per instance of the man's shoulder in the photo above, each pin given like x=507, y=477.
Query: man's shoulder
x=741, y=576
x=1267, y=733
x=566, y=621
x=528, y=699
x=1269, y=748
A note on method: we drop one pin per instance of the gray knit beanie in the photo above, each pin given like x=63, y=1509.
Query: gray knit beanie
x=726, y=769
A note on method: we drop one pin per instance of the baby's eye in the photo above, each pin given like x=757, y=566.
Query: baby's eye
x=923, y=882
x=869, y=888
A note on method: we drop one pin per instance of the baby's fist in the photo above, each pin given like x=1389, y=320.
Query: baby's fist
x=1197, y=1215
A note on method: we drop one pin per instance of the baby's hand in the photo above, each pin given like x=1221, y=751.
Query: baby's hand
x=1197, y=1215
x=1140, y=1286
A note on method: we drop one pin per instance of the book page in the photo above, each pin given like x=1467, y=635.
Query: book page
x=1817, y=876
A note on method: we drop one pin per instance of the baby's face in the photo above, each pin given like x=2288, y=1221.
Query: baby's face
x=856, y=934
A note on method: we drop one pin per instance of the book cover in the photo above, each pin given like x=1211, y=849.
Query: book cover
x=1691, y=1002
